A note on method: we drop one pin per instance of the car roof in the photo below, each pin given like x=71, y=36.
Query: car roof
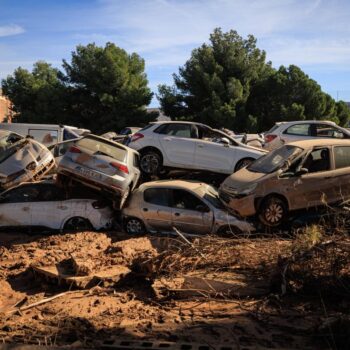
x=178, y=122
x=320, y=142
x=187, y=184
x=307, y=122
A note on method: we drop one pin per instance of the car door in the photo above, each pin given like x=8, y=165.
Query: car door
x=212, y=154
x=190, y=214
x=156, y=208
x=296, y=132
x=342, y=171
x=318, y=186
x=49, y=207
x=177, y=143
x=16, y=207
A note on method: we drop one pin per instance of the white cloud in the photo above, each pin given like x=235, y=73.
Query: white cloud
x=11, y=29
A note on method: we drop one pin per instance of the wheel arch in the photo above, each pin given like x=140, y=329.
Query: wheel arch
x=258, y=201
x=65, y=220
x=151, y=148
x=243, y=158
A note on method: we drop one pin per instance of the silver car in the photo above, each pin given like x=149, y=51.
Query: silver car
x=105, y=165
x=192, y=207
x=22, y=159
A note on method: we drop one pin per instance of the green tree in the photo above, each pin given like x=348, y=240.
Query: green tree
x=214, y=84
x=37, y=96
x=102, y=89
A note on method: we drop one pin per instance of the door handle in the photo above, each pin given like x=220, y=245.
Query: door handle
x=167, y=139
x=177, y=214
x=25, y=208
x=200, y=145
x=327, y=177
x=145, y=209
x=62, y=207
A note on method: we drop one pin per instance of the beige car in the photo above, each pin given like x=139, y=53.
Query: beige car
x=193, y=207
x=295, y=176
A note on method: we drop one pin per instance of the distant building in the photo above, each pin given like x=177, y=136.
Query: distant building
x=161, y=117
x=6, y=113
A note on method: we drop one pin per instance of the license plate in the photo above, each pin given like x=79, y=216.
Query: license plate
x=88, y=173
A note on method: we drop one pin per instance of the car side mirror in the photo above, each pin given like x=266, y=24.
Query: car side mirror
x=301, y=171
x=225, y=141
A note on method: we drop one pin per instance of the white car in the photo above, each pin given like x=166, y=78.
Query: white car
x=192, y=146
x=43, y=204
x=286, y=132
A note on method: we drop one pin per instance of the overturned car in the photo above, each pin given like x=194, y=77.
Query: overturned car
x=299, y=175
x=22, y=159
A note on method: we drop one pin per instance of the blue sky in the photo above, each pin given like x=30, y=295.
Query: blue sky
x=313, y=34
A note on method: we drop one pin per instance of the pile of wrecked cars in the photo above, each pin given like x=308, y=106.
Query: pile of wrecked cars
x=92, y=182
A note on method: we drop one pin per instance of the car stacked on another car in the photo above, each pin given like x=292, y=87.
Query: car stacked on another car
x=191, y=146
x=22, y=159
x=299, y=175
x=192, y=207
x=105, y=165
x=286, y=132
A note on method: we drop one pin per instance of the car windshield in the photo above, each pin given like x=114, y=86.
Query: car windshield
x=275, y=159
x=96, y=146
x=8, y=143
x=211, y=195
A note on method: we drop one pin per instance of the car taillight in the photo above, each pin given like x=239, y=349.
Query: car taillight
x=123, y=168
x=74, y=149
x=136, y=137
x=269, y=138
x=99, y=204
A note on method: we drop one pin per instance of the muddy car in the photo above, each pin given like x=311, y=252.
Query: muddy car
x=101, y=164
x=299, y=175
x=192, y=207
x=44, y=205
x=22, y=159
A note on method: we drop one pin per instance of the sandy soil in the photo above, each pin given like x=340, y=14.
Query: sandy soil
x=131, y=309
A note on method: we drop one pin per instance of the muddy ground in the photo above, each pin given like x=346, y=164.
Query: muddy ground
x=149, y=300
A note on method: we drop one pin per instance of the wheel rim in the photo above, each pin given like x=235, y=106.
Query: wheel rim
x=149, y=163
x=77, y=224
x=274, y=213
x=134, y=226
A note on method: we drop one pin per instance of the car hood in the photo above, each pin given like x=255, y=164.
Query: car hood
x=241, y=179
x=30, y=152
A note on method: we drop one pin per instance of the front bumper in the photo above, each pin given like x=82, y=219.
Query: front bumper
x=241, y=206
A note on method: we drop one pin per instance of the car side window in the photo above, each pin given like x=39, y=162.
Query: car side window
x=185, y=200
x=299, y=130
x=21, y=195
x=178, y=130
x=62, y=148
x=157, y=196
x=317, y=160
x=342, y=157
x=50, y=193
x=324, y=130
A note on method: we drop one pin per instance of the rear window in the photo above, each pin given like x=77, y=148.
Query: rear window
x=97, y=146
x=276, y=126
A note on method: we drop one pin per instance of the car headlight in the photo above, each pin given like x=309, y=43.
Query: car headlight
x=248, y=190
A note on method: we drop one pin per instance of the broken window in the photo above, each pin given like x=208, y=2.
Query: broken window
x=317, y=160
x=324, y=130
x=185, y=200
x=157, y=196
x=342, y=157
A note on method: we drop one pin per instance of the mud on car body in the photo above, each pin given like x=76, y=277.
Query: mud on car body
x=192, y=207
x=101, y=164
x=22, y=159
x=299, y=175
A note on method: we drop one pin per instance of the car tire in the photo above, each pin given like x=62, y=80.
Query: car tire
x=243, y=163
x=134, y=226
x=77, y=223
x=273, y=211
x=151, y=163
x=229, y=231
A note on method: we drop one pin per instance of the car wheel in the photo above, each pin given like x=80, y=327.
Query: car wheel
x=134, y=226
x=77, y=223
x=243, y=163
x=151, y=162
x=273, y=211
